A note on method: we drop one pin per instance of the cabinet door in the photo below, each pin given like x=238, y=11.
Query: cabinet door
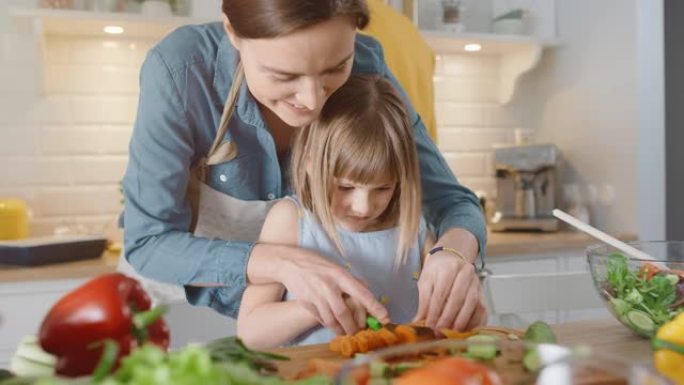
x=571, y=260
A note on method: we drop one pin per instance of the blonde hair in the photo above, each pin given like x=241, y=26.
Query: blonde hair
x=363, y=131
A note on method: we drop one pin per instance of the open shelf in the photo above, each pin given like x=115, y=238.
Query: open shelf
x=85, y=23
x=518, y=54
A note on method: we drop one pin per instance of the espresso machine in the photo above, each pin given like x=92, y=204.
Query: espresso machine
x=526, y=181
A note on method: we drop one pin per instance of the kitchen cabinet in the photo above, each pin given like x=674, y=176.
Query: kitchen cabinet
x=24, y=305
x=22, y=308
x=567, y=260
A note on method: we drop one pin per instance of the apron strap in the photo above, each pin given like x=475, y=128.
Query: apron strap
x=224, y=151
x=220, y=151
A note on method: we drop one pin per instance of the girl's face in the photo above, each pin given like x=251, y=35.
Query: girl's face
x=293, y=75
x=357, y=207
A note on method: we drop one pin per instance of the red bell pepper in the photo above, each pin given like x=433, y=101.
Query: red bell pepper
x=110, y=307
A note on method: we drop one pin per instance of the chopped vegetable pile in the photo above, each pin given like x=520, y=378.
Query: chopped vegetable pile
x=225, y=362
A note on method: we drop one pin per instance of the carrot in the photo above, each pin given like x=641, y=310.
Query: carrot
x=406, y=334
x=334, y=345
x=388, y=337
x=648, y=270
x=348, y=346
x=456, y=335
x=362, y=342
x=375, y=341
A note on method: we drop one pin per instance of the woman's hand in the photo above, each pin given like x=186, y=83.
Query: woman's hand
x=322, y=286
x=450, y=294
x=318, y=284
x=358, y=311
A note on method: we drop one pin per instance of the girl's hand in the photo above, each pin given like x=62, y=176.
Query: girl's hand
x=321, y=286
x=450, y=294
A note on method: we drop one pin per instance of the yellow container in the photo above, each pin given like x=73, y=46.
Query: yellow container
x=13, y=219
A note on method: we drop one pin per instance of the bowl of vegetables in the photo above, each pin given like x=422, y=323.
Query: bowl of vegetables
x=496, y=361
x=642, y=294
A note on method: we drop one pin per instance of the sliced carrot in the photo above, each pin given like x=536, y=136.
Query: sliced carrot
x=388, y=337
x=406, y=334
x=456, y=335
x=362, y=342
x=648, y=271
x=334, y=344
x=375, y=341
x=348, y=347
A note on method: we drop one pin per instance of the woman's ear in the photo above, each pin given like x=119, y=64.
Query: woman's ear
x=234, y=39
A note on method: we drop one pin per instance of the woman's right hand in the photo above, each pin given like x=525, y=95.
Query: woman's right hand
x=319, y=284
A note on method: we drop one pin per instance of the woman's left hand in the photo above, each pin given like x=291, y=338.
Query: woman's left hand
x=450, y=294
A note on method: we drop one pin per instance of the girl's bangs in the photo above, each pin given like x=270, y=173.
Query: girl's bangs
x=366, y=160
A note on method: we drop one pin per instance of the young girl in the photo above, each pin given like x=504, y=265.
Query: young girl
x=357, y=202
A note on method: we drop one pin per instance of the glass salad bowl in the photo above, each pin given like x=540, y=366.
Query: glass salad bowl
x=499, y=361
x=641, y=294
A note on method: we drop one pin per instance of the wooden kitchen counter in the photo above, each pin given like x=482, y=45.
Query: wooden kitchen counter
x=498, y=245
x=67, y=270
x=512, y=243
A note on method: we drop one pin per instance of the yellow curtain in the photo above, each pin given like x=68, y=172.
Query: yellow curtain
x=408, y=56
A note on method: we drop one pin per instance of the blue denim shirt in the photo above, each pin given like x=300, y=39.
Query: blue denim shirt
x=184, y=83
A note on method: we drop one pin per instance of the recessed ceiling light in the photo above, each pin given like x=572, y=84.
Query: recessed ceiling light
x=113, y=29
x=472, y=47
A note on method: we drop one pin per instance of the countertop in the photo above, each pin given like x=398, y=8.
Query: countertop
x=498, y=245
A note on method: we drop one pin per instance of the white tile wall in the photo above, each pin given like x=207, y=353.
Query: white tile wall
x=67, y=106
x=470, y=120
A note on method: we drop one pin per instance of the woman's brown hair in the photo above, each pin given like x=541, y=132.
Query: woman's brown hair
x=260, y=19
x=363, y=131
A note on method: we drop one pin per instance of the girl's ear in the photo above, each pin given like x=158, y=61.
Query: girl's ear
x=234, y=39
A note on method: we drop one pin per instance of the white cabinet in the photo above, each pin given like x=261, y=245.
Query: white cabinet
x=22, y=308
x=571, y=260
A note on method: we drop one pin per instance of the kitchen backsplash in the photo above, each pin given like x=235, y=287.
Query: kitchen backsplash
x=67, y=110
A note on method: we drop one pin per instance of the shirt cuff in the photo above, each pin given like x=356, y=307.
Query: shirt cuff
x=231, y=270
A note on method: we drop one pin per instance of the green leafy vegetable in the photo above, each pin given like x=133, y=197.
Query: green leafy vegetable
x=632, y=290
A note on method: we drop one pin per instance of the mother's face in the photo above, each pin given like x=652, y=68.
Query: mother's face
x=294, y=75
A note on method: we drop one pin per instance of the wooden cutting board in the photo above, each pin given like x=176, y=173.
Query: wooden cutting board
x=606, y=335
x=301, y=356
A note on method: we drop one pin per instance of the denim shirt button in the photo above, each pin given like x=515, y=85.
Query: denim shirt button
x=271, y=196
x=223, y=178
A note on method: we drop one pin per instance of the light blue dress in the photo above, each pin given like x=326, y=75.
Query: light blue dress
x=369, y=256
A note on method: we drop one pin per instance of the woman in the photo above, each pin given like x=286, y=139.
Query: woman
x=295, y=53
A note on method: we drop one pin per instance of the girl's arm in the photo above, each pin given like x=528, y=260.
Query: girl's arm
x=262, y=305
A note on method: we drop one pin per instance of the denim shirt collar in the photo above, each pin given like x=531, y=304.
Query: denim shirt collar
x=246, y=108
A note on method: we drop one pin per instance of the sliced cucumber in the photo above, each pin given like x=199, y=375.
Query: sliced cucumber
x=31, y=360
x=641, y=322
x=482, y=347
x=620, y=306
x=531, y=361
x=28, y=368
x=540, y=332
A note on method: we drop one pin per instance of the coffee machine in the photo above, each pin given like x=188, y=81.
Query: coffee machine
x=526, y=181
